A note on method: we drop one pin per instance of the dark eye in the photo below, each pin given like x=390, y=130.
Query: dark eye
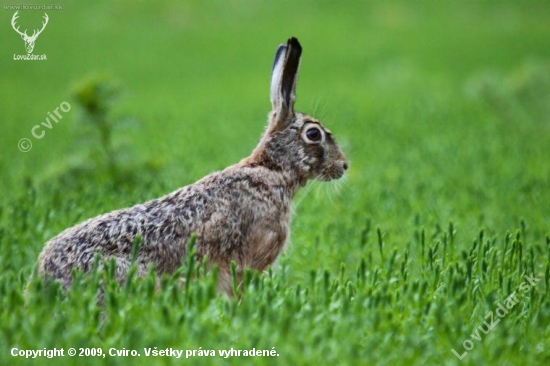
x=314, y=134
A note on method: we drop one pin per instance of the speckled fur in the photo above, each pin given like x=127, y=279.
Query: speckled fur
x=240, y=214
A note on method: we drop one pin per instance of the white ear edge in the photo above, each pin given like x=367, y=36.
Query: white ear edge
x=276, y=77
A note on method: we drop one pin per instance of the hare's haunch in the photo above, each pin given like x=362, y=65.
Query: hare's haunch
x=240, y=214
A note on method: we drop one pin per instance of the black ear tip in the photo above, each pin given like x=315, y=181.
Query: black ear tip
x=293, y=42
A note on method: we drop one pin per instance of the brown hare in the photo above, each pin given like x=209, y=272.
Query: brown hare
x=240, y=214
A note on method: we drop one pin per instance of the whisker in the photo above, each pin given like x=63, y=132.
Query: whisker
x=304, y=193
x=315, y=106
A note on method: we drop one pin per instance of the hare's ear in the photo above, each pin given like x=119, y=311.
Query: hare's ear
x=283, y=77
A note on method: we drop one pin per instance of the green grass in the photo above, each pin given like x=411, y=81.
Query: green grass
x=442, y=108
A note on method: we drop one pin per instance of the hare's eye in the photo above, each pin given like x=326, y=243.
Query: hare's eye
x=313, y=134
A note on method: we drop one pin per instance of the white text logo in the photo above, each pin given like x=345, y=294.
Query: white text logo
x=29, y=40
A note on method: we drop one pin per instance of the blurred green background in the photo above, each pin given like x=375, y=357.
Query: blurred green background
x=443, y=109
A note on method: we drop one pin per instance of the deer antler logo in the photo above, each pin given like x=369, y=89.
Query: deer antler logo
x=29, y=41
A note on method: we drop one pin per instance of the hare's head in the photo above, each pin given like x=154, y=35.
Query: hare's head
x=295, y=141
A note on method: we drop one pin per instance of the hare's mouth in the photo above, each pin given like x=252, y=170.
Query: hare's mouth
x=337, y=175
x=332, y=173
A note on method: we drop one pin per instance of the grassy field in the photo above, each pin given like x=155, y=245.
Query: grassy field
x=443, y=109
